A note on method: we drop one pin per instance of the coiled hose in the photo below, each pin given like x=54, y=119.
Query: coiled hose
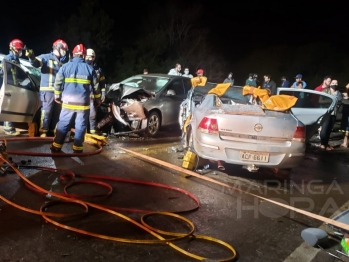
x=161, y=237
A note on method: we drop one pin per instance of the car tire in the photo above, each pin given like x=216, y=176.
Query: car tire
x=153, y=125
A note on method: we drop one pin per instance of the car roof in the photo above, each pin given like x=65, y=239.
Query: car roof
x=161, y=75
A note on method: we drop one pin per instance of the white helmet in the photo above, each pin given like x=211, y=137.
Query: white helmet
x=90, y=52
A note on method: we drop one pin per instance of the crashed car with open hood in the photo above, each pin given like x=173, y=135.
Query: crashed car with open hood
x=143, y=103
x=223, y=126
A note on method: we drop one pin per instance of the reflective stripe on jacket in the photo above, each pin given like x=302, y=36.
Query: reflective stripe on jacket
x=50, y=65
x=75, y=82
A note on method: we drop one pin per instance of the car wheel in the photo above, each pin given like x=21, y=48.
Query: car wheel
x=153, y=125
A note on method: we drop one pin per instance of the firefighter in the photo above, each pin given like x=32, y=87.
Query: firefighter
x=16, y=48
x=50, y=64
x=74, y=84
x=90, y=59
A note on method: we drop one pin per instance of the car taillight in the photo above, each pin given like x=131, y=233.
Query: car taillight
x=299, y=133
x=208, y=126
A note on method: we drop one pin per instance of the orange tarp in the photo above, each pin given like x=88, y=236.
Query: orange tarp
x=280, y=102
x=220, y=89
x=276, y=102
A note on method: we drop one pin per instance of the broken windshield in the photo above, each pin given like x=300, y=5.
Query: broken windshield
x=151, y=84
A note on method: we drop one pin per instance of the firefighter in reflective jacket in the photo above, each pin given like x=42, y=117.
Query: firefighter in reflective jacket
x=74, y=84
x=90, y=59
x=50, y=64
x=16, y=47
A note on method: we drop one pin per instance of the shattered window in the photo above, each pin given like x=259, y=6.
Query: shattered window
x=149, y=83
x=133, y=81
x=155, y=84
x=17, y=77
x=35, y=72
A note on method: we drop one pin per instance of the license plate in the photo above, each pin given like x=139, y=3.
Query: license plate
x=254, y=157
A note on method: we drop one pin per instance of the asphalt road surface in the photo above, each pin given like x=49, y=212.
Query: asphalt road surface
x=122, y=188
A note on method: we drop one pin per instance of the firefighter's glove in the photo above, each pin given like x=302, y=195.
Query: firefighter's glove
x=102, y=98
x=58, y=100
x=30, y=54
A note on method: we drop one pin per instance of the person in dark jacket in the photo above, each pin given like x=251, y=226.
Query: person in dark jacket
x=269, y=84
x=74, y=84
x=90, y=59
x=285, y=82
x=327, y=125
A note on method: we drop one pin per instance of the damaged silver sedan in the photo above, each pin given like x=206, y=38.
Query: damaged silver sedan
x=143, y=104
x=229, y=129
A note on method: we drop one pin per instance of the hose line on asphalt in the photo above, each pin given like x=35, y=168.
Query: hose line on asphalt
x=76, y=199
x=191, y=173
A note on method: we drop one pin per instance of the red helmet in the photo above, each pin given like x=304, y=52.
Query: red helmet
x=60, y=44
x=200, y=72
x=16, y=45
x=79, y=50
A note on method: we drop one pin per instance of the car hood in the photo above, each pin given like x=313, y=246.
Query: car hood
x=119, y=91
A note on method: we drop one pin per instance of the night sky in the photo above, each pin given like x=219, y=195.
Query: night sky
x=257, y=24
x=236, y=28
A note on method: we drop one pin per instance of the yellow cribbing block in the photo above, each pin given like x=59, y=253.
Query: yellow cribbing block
x=32, y=129
x=189, y=160
x=95, y=139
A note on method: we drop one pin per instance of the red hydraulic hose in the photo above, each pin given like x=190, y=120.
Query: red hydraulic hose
x=89, y=179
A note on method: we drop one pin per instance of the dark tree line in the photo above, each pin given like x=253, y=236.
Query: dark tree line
x=170, y=34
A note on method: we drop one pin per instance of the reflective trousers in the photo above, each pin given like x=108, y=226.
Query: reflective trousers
x=93, y=116
x=49, y=113
x=67, y=119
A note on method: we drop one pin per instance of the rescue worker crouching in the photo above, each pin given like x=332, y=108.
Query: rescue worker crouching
x=74, y=84
x=50, y=64
x=90, y=59
x=16, y=47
